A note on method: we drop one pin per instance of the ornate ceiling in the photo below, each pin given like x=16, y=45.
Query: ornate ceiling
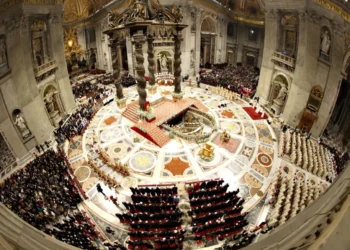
x=76, y=10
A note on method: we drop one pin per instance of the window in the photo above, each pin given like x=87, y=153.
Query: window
x=253, y=35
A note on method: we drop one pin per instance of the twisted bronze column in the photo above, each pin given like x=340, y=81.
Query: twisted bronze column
x=138, y=41
x=116, y=69
x=177, y=63
x=151, y=62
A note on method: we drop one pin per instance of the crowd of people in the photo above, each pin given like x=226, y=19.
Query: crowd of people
x=214, y=211
x=289, y=195
x=307, y=154
x=128, y=81
x=154, y=219
x=76, y=123
x=85, y=88
x=238, y=79
x=44, y=195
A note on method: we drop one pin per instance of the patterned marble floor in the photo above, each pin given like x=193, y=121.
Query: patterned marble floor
x=248, y=161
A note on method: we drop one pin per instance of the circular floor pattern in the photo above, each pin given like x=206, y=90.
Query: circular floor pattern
x=232, y=127
x=143, y=161
x=147, y=160
x=110, y=134
x=264, y=159
x=82, y=173
x=117, y=150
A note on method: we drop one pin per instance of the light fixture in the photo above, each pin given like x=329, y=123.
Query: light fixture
x=70, y=42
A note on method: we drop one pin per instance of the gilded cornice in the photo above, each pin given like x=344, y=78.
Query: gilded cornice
x=11, y=3
x=335, y=8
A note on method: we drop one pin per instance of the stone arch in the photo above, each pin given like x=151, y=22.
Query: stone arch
x=346, y=62
x=54, y=107
x=48, y=88
x=280, y=83
x=208, y=25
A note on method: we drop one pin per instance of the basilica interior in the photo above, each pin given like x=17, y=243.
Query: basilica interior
x=163, y=124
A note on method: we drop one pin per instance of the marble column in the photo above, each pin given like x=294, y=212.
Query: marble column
x=138, y=40
x=270, y=45
x=62, y=76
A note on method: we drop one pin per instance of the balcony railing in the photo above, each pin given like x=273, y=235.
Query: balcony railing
x=284, y=61
x=45, y=70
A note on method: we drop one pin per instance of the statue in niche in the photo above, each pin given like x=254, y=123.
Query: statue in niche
x=3, y=58
x=21, y=125
x=325, y=42
x=49, y=105
x=164, y=63
x=282, y=94
x=192, y=59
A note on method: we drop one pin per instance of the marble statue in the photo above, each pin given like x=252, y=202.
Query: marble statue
x=282, y=94
x=325, y=42
x=49, y=105
x=139, y=12
x=3, y=58
x=21, y=125
x=110, y=19
x=192, y=59
x=164, y=63
x=177, y=12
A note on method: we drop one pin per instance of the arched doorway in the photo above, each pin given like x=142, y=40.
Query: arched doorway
x=208, y=34
x=278, y=94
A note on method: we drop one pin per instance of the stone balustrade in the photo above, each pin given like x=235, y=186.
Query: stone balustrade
x=22, y=235
x=316, y=225
x=310, y=225
x=283, y=61
x=45, y=70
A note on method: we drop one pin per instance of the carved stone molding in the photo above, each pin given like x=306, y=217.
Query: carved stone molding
x=12, y=25
x=271, y=14
x=313, y=17
x=338, y=28
x=302, y=16
x=54, y=18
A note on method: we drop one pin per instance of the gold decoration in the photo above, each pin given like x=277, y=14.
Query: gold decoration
x=335, y=8
x=71, y=46
x=38, y=25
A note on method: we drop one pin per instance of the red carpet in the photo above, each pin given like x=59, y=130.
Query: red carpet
x=255, y=116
